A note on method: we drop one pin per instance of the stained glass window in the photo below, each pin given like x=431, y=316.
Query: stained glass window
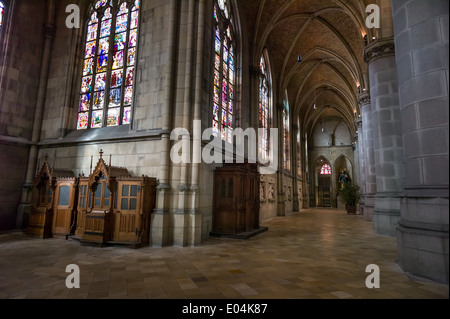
x=299, y=162
x=2, y=11
x=286, y=139
x=325, y=170
x=224, y=72
x=107, y=85
x=264, y=110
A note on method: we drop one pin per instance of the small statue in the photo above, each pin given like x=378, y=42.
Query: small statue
x=343, y=178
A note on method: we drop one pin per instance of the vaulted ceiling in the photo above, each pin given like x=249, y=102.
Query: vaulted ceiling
x=329, y=37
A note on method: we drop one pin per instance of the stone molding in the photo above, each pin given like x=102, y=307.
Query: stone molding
x=379, y=49
x=364, y=99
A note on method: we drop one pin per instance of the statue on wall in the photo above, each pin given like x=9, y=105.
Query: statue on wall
x=343, y=178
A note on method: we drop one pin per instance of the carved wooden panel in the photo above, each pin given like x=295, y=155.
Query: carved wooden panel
x=236, y=199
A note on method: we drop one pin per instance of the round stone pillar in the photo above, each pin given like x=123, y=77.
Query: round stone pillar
x=421, y=32
x=387, y=135
x=369, y=157
x=361, y=169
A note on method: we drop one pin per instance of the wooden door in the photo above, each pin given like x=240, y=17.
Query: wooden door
x=84, y=202
x=128, y=223
x=62, y=216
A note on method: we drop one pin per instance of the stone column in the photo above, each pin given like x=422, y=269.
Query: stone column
x=361, y=171
x=24, y=208
x=281, y=209
x=421, y=30
x=387, y=135
x=294, y=168
x=160, y=223
x=369, y=157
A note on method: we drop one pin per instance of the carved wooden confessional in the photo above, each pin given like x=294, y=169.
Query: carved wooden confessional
x=236, y=200
x=114, y=207
x=54, y=203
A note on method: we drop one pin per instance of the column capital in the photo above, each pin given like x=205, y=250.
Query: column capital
x=378, y=49
x=364, y=99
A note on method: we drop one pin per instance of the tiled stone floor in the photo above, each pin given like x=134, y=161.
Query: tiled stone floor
x=314, y=254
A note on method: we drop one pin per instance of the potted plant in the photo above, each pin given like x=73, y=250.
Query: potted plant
x=350, y=195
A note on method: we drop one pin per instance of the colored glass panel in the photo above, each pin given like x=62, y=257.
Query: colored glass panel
x=92, y=32
x=88, y=66
x=126, y=115
x=121, y=24
x=119, y=41
x=86, y=84
x=134, y=19
x=130, y=76
x=90, y=50
x=97, y=119
x=114, y=97
x=128, y=95
x=325, y=170
x=83, y=119
x=103, y=46
x=105, y=29
x=100, y=3
x=100, y=82
x=116, y=78
x=99, y=100
x=118, y=60
x=102, y=63
x=85, y=102
x=133, y=39
x=113, y=117
x=131, y=56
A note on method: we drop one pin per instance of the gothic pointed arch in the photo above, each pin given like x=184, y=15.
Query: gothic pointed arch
x=109, y=62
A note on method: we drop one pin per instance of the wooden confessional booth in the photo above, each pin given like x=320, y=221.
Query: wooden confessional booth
x=236, y=201
x=114, y=207
x=54, y=203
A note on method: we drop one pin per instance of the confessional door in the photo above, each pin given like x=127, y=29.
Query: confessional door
x=84, y=201
x=41, y=215
x=128, y=222
x=62, y=213
x=98, y=222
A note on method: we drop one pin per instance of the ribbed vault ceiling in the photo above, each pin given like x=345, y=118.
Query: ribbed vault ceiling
x=328, y=34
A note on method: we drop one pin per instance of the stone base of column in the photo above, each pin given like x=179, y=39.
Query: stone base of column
x=295, y=205
x=159, y=229
x=423, y=238
x=180, y=226
x=369, y=204
x=195, y=221
x=386, y=214
x=281, y=211
x=23, y=216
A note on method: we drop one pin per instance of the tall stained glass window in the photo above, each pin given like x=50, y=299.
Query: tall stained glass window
x=264, y=110
x=224, y=71
x=286, y=130
x=107, y=85
x=2, y=12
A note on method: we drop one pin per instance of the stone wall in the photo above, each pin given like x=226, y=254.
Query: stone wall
x=20, y=67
